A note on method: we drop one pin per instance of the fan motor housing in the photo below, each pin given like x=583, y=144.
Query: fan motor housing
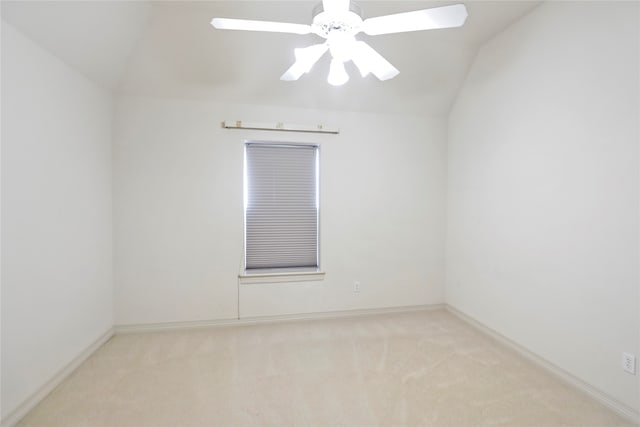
x=324, y=23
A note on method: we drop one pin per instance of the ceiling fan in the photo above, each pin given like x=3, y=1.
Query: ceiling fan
x=338, y=21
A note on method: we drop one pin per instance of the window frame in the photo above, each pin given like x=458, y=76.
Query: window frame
x=282, y=274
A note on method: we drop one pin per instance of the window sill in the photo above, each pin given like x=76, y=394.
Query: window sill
x=281, y=277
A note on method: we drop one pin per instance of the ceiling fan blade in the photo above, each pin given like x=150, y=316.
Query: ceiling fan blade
x=427, y=19
x=369, y=61
x=247, y=25
x=335, y=6
x=305, y=59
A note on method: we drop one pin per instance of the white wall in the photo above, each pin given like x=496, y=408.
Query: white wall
x=542, y=242
x=178, y=212
x=57, y=290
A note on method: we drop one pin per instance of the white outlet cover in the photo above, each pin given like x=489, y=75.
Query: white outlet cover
x=629, y=363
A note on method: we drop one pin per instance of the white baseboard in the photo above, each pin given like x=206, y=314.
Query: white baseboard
x=17, y=414
x=618, y=407
x=174, y=326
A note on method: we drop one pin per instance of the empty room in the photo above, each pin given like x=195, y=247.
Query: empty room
x=320, y=213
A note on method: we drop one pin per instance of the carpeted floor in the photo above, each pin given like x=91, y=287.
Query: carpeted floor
x=420, y=368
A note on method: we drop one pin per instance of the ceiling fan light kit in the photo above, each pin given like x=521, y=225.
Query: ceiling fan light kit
x=339, y=21
x=337, y=73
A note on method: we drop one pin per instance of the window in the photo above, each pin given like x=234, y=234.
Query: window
x=281, y=207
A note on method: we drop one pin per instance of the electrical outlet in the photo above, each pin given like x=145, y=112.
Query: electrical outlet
x=356, y=286
x=629, y=363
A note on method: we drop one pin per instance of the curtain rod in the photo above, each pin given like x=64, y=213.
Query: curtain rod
x=279, y=126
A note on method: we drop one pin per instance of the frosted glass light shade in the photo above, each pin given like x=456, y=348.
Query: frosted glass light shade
x=337, y=73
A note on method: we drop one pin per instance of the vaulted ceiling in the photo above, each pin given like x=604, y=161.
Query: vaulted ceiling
x=168, y=48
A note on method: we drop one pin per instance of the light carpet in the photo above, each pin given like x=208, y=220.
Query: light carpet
x=421, y=368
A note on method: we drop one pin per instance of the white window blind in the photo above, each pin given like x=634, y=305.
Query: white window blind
x=281, y=206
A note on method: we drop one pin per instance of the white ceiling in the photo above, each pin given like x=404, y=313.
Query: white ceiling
x=168, y=48
x=96, y=38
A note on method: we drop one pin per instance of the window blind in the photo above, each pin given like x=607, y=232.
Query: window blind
x=281, y=206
